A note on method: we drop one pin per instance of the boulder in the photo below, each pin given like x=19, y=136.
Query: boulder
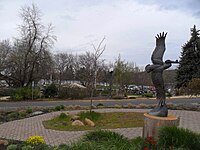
x=77, y=123
x=36, y=113
x=89, y=122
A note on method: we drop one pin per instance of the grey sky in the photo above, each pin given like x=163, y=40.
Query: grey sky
x=128, y=25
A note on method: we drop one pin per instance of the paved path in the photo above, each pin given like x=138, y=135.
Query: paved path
x=22, y=129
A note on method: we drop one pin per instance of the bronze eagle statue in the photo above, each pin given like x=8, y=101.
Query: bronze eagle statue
x=156, y=70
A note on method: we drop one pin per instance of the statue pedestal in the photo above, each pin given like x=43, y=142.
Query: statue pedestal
x=152, y=124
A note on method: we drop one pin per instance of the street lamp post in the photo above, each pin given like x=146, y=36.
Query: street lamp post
x=111, y=78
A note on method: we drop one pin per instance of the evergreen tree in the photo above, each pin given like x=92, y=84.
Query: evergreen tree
x=189, y=65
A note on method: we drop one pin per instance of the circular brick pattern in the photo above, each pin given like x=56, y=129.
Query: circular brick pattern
x=22, y=129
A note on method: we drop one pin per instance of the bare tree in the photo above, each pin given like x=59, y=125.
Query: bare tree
x=5, y=50
x=98, y=51
x=64, y=64
x=88, y=66
x=30, y=58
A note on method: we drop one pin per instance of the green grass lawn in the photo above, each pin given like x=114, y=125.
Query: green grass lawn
x=109, y=120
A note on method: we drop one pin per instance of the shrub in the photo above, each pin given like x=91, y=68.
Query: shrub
x=62, y=115
x=12, y=147
x=118, y=97
x=148, y=95
x=2, y=118
x=62, y=93
x=62, y=107
x=142, y=105
x=99, y=104
x=73, y=93
x=59, y=107
x=29, y=110
x=18, y=97
x=25, y=93
x=130, y=105
x=22, y=114
x=6, y=91
x=118, y=106
x=51, y=91
x=13, y=115
x=27, y=147
x=168, y=94
x=35, y=140
x=43, y=147
x=178, y=138
x=193, y=86
x=104, y=92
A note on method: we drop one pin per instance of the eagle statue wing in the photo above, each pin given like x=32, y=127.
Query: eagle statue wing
x=157, y=56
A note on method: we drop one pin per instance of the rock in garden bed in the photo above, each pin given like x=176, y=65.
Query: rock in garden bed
x=89, y=122
x=77, y=123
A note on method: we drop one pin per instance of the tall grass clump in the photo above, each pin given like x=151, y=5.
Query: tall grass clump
x=102, y=139
x=172, y=136
x=90, y=115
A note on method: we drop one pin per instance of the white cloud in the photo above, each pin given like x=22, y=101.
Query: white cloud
x=129, y=26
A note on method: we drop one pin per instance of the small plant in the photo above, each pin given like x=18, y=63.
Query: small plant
x=102, y=135
x=13, y=115
x=99, y=104
x=27, y=147
x=62, y=107
x=118, y=106
x=35, y=140
x=130, y=105
x=63, y=147
x=138, y=143
x=29, y=110
x=62, y=116
x=12, y=147
x=22, y=114
x=58, y=108
x=44, y=147
x=150, y=143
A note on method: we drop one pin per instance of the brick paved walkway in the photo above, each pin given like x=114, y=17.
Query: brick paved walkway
x=22, y=129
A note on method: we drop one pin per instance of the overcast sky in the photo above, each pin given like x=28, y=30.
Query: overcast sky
x=129, y=26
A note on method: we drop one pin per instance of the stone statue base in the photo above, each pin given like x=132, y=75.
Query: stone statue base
x=152, y=124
